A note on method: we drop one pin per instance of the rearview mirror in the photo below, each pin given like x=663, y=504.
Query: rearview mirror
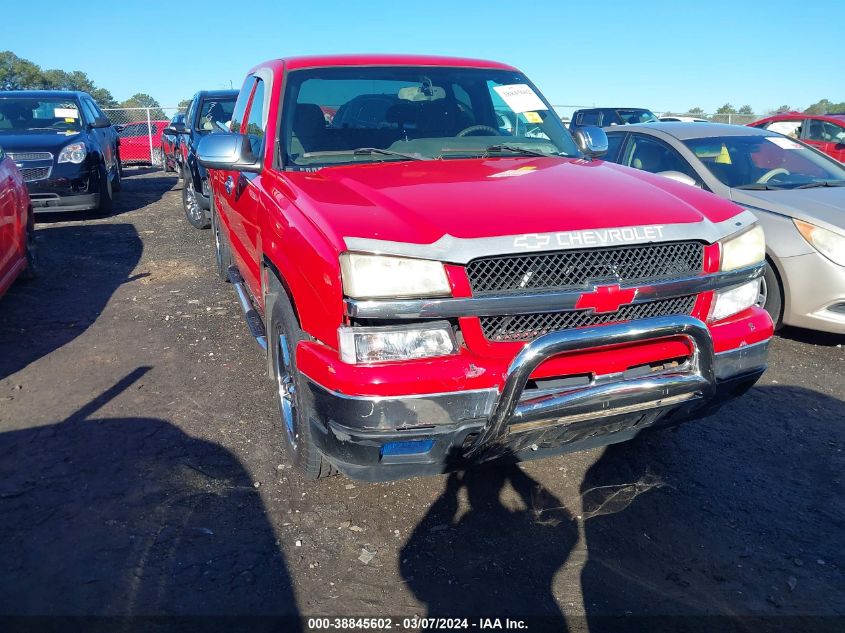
x=227, y=151
x=591, y=140
x=175, y=129
x=101, y=121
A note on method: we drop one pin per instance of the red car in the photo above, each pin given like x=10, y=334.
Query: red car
x=434, y=289
x=17, y=227
x=135, y=143
x=825, y=132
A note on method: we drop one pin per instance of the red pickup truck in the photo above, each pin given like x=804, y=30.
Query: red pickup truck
x=440, y=274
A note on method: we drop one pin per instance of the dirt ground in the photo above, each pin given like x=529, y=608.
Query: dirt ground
x=142, y=474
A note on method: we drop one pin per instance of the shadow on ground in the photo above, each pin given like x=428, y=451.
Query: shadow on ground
x=80, y=267
x=131, y=517
x=731, y=523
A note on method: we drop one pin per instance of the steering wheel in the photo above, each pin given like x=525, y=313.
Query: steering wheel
x=478, y=128
x=771, y=174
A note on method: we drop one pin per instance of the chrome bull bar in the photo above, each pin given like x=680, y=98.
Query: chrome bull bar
x=694, y=379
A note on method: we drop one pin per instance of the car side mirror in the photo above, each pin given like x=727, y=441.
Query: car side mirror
x=175, y=129
x=101, y=121
x=681, y=177
x=228, y=151
x=119, y=128
x=591, y=140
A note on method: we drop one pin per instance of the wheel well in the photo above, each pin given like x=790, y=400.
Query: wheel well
x=273, y=270
x=771, y=264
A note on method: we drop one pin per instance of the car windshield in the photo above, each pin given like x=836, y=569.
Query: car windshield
x=21, y=115
x=636, y=116
x=367, y=114
x=215, y=114
x=765, y=162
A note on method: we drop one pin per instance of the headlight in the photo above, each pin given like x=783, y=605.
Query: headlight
x=375, y=344
x=828, y=243
x=378, y=276
x=729, y=302
x=745, y=249
x=73, y=153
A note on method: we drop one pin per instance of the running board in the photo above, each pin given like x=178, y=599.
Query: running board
x=253, y=319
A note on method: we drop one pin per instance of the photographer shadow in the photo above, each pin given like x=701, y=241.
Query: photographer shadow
x=479, y=556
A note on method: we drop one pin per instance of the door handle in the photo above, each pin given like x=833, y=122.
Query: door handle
x=229, y=184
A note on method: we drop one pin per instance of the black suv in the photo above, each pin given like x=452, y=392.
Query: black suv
x=210, y=111
x=65, y=147
x=605, y=117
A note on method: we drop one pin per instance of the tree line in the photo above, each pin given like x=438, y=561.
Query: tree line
x=824, y=106
x=17, y=73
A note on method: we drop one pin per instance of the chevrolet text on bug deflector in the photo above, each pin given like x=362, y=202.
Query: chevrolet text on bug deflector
x=439, y=274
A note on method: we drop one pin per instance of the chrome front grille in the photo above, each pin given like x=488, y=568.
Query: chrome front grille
x=22, y=156
x=31, y=174
x=574, y=269
x=525, y=327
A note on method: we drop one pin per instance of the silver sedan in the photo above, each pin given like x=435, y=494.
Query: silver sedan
x=797, y=192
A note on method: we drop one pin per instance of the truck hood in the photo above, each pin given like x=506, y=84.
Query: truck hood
x=421, y=202
x=40, y=141
x=821, y=206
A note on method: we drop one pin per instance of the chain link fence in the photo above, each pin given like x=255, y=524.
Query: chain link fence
x=140, y=133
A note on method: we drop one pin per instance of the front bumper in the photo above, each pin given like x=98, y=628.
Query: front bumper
x=382, y=438
x=819, y=305
x=69, y=187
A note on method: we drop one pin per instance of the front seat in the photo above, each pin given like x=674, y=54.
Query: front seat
x=309, y=129
x=648, y=157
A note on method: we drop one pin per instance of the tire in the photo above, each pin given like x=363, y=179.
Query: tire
x=31, y=270
x=222, y=251
x=771, y=295
x=117, y=181
x=295, y=408
x=193, y=211
x=106, y=195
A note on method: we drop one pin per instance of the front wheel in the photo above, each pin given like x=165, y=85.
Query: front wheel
x=117, y=181
x=222, y=253
x=106, y=194
x=193, y=211
x=295, y=408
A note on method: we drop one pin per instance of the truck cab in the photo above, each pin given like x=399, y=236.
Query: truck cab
x=440, y=274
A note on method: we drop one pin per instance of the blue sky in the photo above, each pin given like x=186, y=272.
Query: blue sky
x=662, y=55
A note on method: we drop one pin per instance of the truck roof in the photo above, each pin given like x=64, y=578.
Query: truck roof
x=316, y=61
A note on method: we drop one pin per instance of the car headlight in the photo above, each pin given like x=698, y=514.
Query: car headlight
x=379, y=276
x=746, y=249
x=73, y=153
x=734, y=300
x=826, y=242
x=376, y=344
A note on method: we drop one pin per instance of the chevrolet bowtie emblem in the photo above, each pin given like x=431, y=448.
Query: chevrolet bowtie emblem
x=605, y=299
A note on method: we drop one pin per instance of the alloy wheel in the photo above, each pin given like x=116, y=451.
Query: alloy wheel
x=287, y=390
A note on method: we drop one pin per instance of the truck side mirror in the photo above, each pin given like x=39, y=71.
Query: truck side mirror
x=227, y=151
x=175, y=129
x=591, y=140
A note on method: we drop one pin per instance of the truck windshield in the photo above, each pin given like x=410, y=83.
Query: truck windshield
x=21, y=115
x=765, y=162
x=416, y=113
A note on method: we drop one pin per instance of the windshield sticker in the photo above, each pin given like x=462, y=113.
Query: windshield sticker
x=533, y=117
x=785, y=143
x=522, y=171
x=520, y=98
x=66, y=113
